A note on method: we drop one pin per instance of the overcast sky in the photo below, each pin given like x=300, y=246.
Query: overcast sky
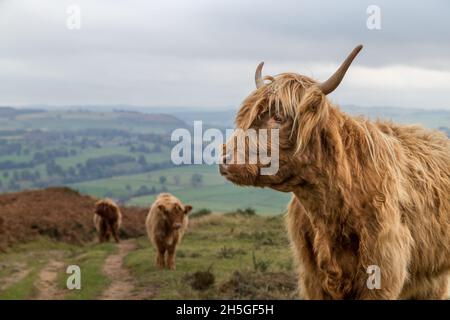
x=203, y=53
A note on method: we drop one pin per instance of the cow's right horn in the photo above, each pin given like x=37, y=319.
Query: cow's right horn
x=333, y=82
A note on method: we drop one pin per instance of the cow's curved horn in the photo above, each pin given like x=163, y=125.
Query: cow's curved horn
x=334, y=81
x=258, y=77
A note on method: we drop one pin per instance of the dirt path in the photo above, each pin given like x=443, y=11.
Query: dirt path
x=47, y=283
x=18, y=273
x=122, y=283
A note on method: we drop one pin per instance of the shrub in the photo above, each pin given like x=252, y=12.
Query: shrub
x=200, y=213
x=229, y=253
x=201, y=280
x=243, y=212
x=260, y=264
x=257, y=285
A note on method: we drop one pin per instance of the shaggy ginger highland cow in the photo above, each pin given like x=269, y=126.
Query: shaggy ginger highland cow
x=107, y=220
x=364, y=193
x=166, y=223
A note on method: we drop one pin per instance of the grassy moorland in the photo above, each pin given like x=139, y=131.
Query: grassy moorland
x=23, y=267
x=232, y=256
x=239, y=253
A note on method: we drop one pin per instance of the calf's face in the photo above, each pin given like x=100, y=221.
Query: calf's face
x=174, y=214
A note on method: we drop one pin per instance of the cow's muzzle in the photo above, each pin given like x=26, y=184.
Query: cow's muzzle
x=176, y=226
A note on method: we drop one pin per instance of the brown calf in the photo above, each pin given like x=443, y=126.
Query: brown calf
x=107, y=220
x=166, y=222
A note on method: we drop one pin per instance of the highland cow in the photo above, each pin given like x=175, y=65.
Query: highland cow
x=166, y=223
x=364, y=193
x=107, y=220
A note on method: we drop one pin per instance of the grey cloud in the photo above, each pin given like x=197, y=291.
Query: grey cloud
x=204, y=52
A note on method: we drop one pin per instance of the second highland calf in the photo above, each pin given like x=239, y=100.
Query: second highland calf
x=107, y=220
x=166, y=223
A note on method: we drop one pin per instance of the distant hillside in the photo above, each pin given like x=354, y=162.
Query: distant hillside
x=80, y=119
x=428, y=118
x=433, y=119
x=59, y=213
x=224, y=118
x=8, y=112
x=160, y=118
x=210, y=117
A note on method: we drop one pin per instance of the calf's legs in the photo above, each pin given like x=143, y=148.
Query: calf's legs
x=114, y=231
x=171, y=257
x=160, y=263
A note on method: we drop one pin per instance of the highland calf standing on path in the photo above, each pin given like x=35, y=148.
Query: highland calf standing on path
x=107, y=220
x=166, y=223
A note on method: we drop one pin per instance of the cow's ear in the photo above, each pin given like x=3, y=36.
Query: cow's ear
x=187, y=208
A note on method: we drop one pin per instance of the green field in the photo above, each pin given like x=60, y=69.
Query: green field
x=78, y=119
x=215, y=193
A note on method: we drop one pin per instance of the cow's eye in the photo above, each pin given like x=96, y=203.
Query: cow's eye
x=277, y=118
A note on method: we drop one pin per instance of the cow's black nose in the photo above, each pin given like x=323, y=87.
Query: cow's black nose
x=226, y=158
x=223, y=169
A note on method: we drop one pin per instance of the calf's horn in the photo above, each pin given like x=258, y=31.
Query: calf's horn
x=334, y=81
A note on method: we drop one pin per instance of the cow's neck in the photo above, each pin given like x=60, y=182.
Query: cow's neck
x=328, y=187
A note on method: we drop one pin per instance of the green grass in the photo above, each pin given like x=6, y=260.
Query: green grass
x=75, y=120
x=33, y=256
x=93, y=281
x=30, y=256
x=25, y=288
x=205, y=247
x=16, y=158
x=91, y=153
x=84, y=155
x=226, y=198
x=225, y=245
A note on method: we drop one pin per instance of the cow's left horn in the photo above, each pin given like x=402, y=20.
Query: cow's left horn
x=258, y=77
x=334, y=81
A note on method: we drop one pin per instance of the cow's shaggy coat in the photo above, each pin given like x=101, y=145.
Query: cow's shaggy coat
x=166, y=223
x=364, y=193
x=107, y=220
